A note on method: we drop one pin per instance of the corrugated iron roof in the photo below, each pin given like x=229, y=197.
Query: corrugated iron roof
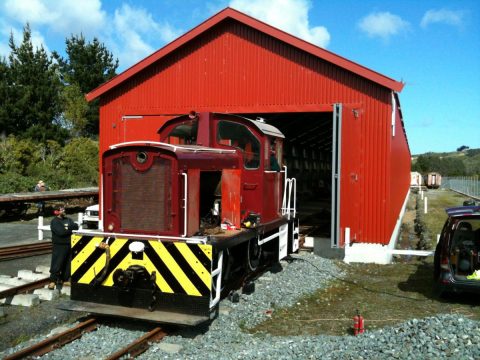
x=236, y=15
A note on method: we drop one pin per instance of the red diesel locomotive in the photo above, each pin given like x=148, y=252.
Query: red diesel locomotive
x=184, y=218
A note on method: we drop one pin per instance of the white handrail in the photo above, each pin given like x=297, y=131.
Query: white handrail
x=185, y=201
x=218, y=273
x=287, y=209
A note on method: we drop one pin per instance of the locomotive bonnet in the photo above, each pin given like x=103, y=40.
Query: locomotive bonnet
x=185, y=219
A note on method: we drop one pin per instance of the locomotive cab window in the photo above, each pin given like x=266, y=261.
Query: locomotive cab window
x=240, y=137
x=184, y=133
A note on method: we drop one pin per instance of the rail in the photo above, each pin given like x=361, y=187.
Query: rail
x=25, y=288
x=54, y=342
x=140, y=345
x=19, y=251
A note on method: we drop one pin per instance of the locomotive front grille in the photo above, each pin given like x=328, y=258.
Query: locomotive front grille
x=144, y=197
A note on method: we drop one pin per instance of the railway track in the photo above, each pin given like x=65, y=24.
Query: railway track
x=26, y=250
x=54, y=342
x=24, y=288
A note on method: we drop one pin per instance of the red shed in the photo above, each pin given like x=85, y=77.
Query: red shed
x=345, y=138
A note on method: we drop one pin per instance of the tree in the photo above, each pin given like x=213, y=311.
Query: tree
x=5, y=123
x=463, y=147
x=88, y=64
x=33, y=91
x=75, y=109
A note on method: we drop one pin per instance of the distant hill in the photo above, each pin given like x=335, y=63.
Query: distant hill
x=455, y=163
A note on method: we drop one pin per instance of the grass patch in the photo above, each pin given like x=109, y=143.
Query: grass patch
x=438, y=200
x=385, y=295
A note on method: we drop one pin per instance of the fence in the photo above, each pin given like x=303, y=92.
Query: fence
x=467, y=185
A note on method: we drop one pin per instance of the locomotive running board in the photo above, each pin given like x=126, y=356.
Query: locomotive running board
x=166, y=317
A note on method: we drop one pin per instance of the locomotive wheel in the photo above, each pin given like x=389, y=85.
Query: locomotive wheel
x=254, y=253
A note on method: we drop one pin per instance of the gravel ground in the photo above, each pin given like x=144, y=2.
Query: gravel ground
x=443, y=336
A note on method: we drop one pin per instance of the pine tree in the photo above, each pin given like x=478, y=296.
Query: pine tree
x=33, y=92
x=5, y=122
x=88, y=65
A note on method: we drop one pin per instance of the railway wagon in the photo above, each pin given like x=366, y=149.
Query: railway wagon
x=185, y=220
x=433, y=180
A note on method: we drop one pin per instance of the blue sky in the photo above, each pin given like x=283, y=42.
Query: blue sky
x=433, y=46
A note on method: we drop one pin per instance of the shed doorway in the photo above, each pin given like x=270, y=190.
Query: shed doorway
x=308, y=148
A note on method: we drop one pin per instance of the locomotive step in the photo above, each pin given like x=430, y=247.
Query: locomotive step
x=166, y=317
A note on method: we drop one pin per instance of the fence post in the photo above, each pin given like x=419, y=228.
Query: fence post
x=40, y=228
x=425, y=210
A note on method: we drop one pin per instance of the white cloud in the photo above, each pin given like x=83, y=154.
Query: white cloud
x=444, y=16
x=5, y=31
x=383, y=25
x=134, y=32
x=288, y=15
x=60, y=16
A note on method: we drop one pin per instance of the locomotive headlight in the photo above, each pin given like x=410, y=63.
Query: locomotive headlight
x=142, y=157
x=110, y=227
x=136, y=246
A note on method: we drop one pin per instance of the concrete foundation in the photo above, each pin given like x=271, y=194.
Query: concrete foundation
x=30, y=275
x=323, y=247
x=27, y=300
x=46, y=294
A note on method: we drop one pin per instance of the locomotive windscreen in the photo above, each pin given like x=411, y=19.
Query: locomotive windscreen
x=143, y=198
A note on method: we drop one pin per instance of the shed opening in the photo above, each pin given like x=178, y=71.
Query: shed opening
x=308, y=156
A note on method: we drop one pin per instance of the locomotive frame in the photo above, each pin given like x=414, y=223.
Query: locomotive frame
x=185, y=220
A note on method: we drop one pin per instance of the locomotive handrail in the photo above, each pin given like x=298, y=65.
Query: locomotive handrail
x=218, y=284
x=287, y=209
x=174, y=147
x=185, y=201
x=189, y=240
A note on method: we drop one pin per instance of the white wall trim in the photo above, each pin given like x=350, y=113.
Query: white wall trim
x=376, y=253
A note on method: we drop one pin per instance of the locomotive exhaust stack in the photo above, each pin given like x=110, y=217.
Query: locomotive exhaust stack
x=168, y=258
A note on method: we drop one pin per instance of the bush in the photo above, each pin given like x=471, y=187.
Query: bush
x=11, y=182
x=23, y=162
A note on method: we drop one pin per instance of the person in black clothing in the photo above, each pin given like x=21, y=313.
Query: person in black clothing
x=61, y=227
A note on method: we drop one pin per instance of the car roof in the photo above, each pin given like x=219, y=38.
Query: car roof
x=463, y=211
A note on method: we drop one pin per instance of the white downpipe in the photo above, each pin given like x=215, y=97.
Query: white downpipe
x=185, y=201
x=218, y=284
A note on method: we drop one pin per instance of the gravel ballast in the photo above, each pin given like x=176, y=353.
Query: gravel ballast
x=442, y=336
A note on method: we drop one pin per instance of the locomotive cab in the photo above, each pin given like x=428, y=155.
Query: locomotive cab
x=185, y=219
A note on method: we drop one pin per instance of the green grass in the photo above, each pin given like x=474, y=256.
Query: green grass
x=435, y=218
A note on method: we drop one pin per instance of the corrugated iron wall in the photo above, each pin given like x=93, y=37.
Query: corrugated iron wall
x=237, y=69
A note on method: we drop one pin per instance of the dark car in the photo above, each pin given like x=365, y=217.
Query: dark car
x=457, y=256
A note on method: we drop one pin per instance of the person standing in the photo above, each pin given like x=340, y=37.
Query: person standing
x=62, y=228
x=41, y=204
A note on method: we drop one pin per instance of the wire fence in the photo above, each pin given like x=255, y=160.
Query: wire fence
x=467, y=185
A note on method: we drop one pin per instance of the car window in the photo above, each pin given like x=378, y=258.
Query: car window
x=467, y=233
x=240, y=137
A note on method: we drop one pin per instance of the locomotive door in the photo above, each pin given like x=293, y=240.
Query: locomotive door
x=346, y=170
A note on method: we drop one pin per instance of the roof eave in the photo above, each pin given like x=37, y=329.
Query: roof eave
x=256, y=24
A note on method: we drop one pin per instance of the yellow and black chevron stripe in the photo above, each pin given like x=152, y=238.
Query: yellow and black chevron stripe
x=180, y=268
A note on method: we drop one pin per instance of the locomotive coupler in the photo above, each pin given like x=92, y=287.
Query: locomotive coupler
x=134, y=277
